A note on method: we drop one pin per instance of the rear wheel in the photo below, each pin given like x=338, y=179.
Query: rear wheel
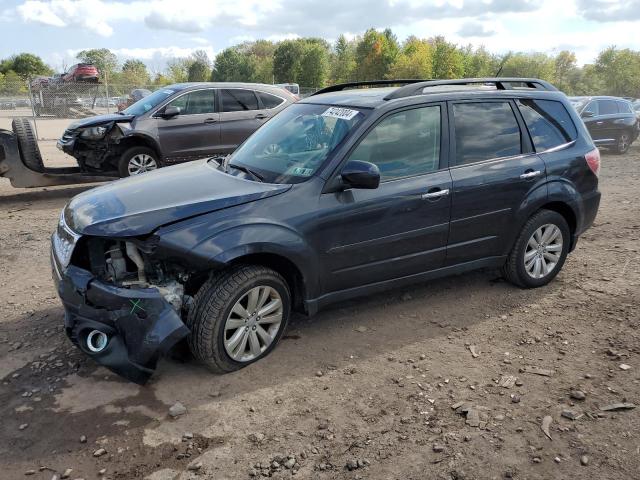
x=539, y=251
x=238, y=317
x=623, y=143
x=138, y=160
x=28, y=144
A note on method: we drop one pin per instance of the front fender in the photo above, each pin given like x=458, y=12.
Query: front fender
x=237, y=241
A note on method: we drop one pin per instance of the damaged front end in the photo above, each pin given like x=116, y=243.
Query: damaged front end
x=122, y=307
x=96, y=147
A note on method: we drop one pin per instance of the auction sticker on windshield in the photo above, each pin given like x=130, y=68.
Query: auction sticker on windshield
x=343, y=113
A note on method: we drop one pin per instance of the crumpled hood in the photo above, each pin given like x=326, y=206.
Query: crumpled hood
x=138, y=205
x=101, y=120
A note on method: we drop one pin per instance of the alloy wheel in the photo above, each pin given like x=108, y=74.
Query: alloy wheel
x=141, y=163
x=253, y=323
x=623, y=143
x=543, y=251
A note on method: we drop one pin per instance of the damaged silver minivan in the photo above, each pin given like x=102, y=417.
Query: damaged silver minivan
x=177, y=123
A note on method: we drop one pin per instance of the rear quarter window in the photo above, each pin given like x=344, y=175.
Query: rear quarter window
x=549, y=123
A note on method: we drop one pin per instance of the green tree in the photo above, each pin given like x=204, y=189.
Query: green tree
x=198, y=72
x=25, y=65
x=414, y=61
x=314, y=65
x=343, y=60
x=134, y=73
x=199, y=69
x=566, y=72
x=375, y=54
x=104, y=59
x=178, y=70
x=448, y=60
x=536, y=65
x=620, y=71
x=231, y=65
x=479, y=63
x=286, y=61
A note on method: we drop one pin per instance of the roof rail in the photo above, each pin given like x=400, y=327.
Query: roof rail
x=501, y=83
x=368, y=83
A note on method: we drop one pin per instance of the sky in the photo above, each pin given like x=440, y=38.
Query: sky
x=156, y=30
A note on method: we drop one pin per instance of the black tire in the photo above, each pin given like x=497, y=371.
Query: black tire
x=27, y=144
x=213, y=304
x=514, y=269
x=623, y=142
x=128, y=155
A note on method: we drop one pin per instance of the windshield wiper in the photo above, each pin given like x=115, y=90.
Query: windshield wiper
x=244, y=169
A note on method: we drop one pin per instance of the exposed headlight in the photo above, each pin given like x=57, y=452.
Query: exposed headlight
x=93, y=133
x=64, y=241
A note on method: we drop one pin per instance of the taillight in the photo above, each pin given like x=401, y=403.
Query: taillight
x=593, y=160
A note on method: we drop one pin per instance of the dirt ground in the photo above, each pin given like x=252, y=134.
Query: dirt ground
x=364, y=390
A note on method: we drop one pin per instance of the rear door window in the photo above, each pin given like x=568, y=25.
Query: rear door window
x=607, y=107
x=548, y=122
x=485, y=130
x=269, y=101
x=404, y=144
x=238, y=100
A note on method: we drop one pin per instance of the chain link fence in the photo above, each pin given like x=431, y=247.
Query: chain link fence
x=52, y=105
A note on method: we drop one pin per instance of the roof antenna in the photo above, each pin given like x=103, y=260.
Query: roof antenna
x=504, y=60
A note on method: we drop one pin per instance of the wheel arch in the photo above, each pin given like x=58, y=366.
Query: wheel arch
x=140, y=140
x=285, y=267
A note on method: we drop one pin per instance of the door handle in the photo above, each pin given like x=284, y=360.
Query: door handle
x=599, y=123
x=532, y=174
x=435, y=194
x=261, y=116
x=210, y=120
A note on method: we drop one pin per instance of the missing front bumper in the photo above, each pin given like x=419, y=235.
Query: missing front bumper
x=140, y=324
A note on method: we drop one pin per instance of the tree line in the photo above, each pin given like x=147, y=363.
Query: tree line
x=314, y=63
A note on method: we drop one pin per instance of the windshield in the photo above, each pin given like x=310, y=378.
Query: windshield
x=292, y=146
x=147, y=103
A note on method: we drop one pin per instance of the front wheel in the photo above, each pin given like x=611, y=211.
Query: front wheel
x=238, y=317
x=137, y=160
x=539, y=251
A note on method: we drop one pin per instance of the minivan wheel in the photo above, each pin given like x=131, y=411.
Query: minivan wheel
x=623, y=143
x=238, y=316
x=137, y=160
x=539, y=251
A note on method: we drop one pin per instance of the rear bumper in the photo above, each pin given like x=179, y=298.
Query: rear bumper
x=139, y=323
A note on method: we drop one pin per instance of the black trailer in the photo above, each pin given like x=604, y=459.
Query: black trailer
x=21, y=162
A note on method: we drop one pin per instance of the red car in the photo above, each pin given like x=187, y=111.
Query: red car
x=81, y=72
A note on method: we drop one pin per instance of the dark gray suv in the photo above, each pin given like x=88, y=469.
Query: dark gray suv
x=174, y=124
x=351, y=191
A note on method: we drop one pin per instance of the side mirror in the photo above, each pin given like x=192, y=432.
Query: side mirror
x=170, y=112
x=587, y=114
x=359, y=174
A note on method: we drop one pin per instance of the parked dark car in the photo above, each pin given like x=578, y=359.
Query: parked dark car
x=347, y=193
x=174, y=124
x=611, y=121
x=81, y=72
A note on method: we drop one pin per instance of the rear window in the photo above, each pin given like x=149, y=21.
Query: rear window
x=268, y=100
x=485, y=130
x=624, y=107
x=548, y=122
x=238, y=100
x=607, y=107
